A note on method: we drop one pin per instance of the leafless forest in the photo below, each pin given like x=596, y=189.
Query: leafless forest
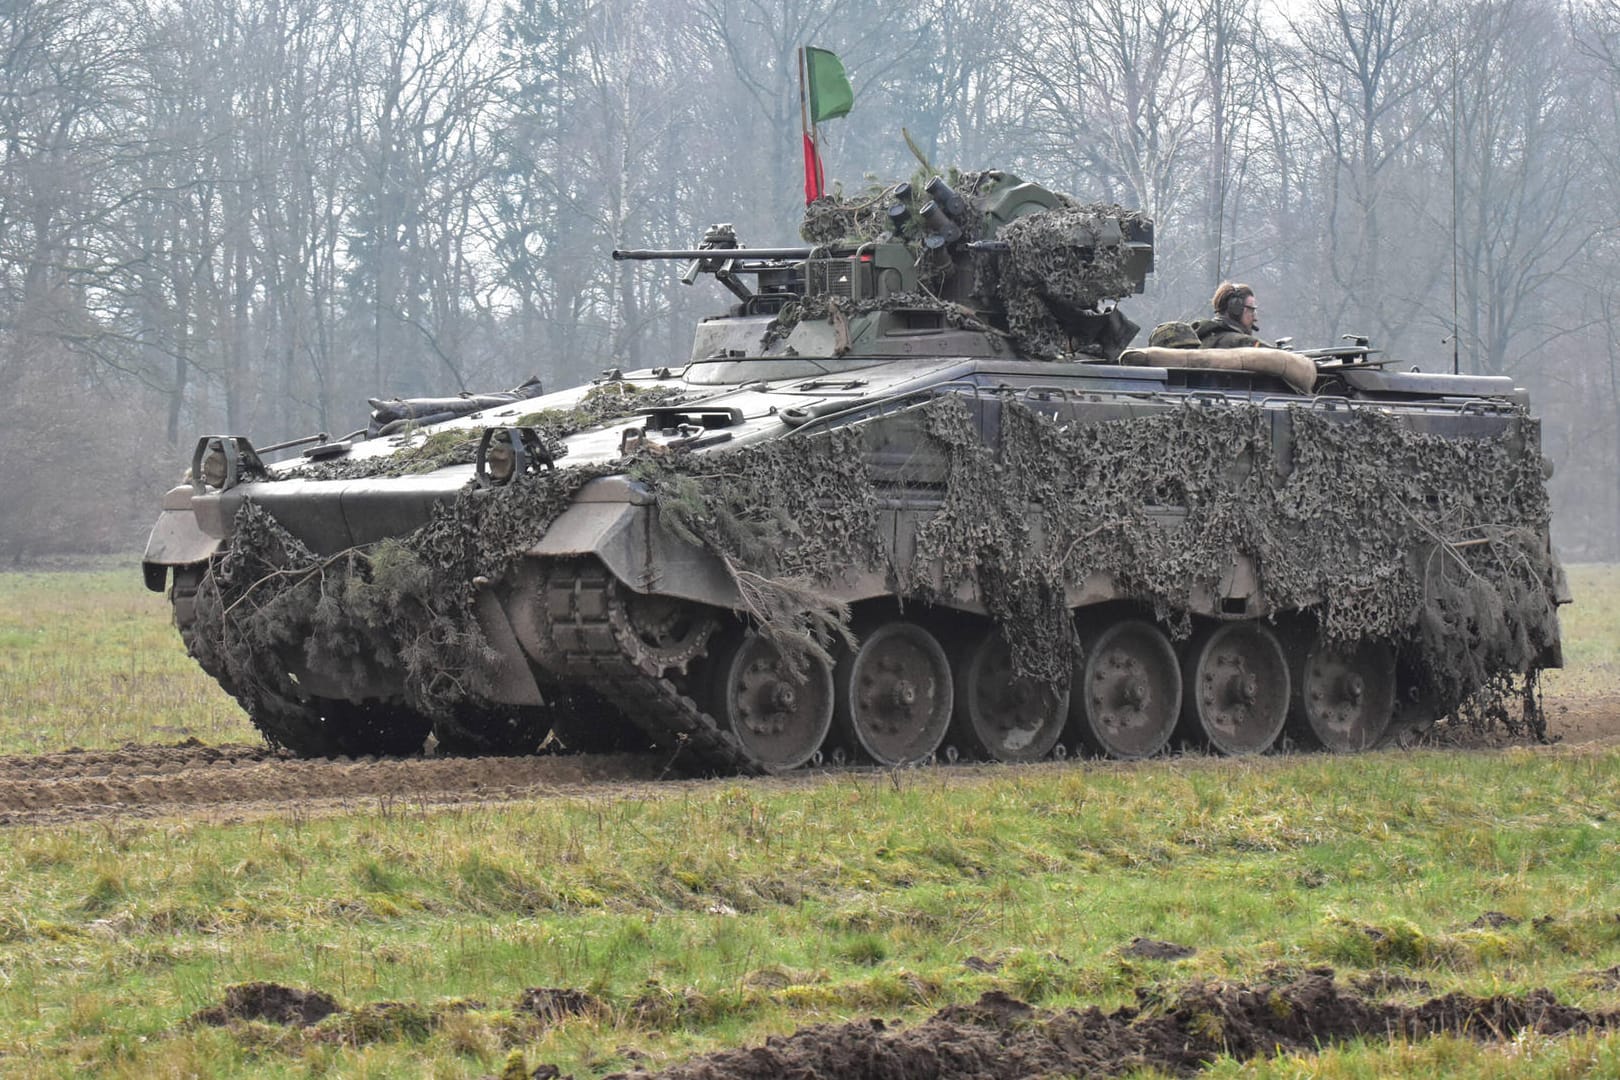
x=250, y=215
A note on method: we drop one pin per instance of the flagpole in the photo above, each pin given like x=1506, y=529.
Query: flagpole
x=813, y=162
x=821, y=173
x=804, y=114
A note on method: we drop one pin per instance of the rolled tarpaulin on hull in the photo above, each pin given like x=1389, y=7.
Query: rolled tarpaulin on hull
x=1296, y=370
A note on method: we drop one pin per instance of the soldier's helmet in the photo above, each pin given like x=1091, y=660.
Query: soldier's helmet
x=1174, y=335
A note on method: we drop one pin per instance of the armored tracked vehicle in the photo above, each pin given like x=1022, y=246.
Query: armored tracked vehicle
x=911, y=497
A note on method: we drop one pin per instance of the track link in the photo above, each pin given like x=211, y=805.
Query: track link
x=593, y=645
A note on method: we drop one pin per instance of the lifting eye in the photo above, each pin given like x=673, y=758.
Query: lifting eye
x=220, y=462
x=505, y=453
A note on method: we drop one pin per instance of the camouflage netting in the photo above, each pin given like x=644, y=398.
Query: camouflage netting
x=1435, y=544
x=833, y=218
x=865, y=217
x=780, y=552
x=1062, y=261
x=457, y=446
x=1046, y=269
x=398, y=612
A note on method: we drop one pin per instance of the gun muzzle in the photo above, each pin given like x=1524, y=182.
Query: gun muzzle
x=939, y=224
x=946, y=197
x=899, y=217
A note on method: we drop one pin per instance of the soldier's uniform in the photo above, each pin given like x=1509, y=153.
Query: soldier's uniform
x=1223, y=333
x=1174, y=335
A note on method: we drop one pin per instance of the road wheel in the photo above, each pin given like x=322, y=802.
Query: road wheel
x=1344, y=694
x=998, y=715
x=779, y=708
x=893, y=694
x=1126, y=696
x=1236, y=686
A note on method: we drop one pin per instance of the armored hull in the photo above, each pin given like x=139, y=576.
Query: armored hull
x=875, y=527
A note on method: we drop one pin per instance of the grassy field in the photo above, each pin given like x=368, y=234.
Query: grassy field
x=92, y=660
x=711, y=915
x=1591, y=628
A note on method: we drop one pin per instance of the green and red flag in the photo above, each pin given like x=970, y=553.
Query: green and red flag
x=830, y=93
x=824, y=94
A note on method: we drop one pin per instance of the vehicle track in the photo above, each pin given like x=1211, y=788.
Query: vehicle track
x=236, y=781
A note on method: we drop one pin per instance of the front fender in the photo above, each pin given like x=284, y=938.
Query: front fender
x=616, y=523
x=176, y=539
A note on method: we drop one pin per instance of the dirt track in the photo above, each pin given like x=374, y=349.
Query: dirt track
x=241, y=781
x=223, y=782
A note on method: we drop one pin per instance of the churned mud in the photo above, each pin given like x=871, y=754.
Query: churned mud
x=271, y=1003
x=1587, y=719
x=1178, y=1030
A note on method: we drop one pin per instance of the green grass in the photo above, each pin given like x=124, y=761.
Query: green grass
x=92, y=660
x=1591, y=628
x=705, y=916
x=713, y=915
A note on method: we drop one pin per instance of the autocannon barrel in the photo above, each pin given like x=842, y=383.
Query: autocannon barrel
x=715, y=253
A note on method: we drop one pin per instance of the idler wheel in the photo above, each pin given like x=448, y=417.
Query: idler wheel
x=1126, y=695
x=999, y=715
x=893, y=694
x=1236, y=686
x=1344, y=694
x=779, y=708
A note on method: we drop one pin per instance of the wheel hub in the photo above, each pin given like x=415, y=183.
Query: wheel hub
x=1231, y=690
x=765, y=700
x=1242, y=687
x=1120, y=691
x=1353, y=688
x=1132, y=684
x=894, y=693
x=1241, y=675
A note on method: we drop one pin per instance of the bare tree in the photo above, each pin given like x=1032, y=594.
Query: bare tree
x=1118, y=110
x=1361, y=78
x=1519, y=164
x=64, y=97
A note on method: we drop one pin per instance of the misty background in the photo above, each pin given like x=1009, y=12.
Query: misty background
x=248, y=216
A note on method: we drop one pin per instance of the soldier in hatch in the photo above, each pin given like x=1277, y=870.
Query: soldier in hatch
x=1237, y=318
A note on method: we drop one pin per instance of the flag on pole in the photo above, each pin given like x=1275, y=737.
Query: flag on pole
x=830, y=92
x=824, y=94
x=815, y=181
